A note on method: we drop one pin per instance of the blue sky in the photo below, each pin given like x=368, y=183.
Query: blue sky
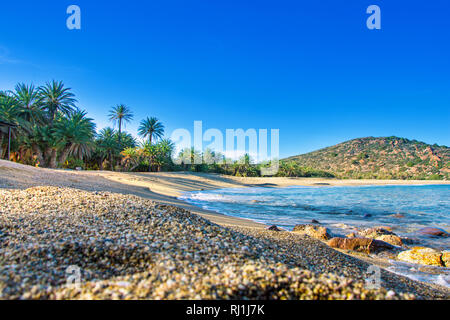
x=309, y=68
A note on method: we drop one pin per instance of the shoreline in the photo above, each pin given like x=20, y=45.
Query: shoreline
x=166, y=187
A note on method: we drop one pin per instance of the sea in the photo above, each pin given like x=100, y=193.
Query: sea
x=405, y=209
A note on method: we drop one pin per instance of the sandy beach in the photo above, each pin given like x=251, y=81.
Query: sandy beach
x=57, y=195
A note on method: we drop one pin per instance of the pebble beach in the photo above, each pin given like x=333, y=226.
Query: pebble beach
x=124, y=246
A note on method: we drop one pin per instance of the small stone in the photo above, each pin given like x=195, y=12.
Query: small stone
x=274, y=228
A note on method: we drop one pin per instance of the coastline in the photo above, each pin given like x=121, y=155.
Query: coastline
x=164, y=188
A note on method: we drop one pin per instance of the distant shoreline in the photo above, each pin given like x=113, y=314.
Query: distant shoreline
x=166, y=187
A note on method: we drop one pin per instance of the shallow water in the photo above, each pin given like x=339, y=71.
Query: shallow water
x=354, y=206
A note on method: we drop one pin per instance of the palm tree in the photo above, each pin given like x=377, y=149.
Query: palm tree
x=165, y=150
x=120, y=114
x=56, y=98
x=151, y=128
x=29, y=100
x=107, y=145
x=127, y=140
x=76, y=134
x=132, y=157
x=9, y=112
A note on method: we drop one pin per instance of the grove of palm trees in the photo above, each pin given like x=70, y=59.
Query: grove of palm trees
x=51, y=131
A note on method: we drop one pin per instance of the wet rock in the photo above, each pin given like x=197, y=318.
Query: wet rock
x=375, y=232
x=367, y=215
x=315, y=221
x=365, y=245
x=274, y=228
x=410, y=241
x=316, y=232
x=421, y=255
x=446, y=258
x=385, y=228
x=436, y=232
x=392, y=239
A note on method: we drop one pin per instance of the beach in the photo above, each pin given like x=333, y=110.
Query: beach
x=135, y=240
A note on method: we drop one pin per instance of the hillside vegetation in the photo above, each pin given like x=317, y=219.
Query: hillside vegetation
x=381, y=158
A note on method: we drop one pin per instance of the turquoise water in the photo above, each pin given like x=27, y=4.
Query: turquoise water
x=419, y=206
x=404, y=208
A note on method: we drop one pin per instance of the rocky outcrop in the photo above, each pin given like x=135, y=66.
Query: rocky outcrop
x=425, y=256
x=365, y=245
x=317, y=232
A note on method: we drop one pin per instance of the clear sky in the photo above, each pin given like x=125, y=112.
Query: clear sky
x=309, y=68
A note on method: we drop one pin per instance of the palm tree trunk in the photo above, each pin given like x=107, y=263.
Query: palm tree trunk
x=53, y=162
x=64, y=154
x=1, y=145
x=120, y=134
x=47, y=156
x=150, y=158
x=38, y=153
x=111, y=160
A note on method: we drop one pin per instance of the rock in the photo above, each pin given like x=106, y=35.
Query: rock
x=360, y=244
x=367, y=215
x=274, y=228
x=352, y=235
x=421, y=255
x=407, y=240
x=315, y=221
x=316, y=232
x=436, y=232
x=446, y=258
x=385, y=228
x=374, y=232
x=397, y=215
x=392, y=239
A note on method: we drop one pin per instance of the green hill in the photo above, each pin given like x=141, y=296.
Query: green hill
x=381, y=158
